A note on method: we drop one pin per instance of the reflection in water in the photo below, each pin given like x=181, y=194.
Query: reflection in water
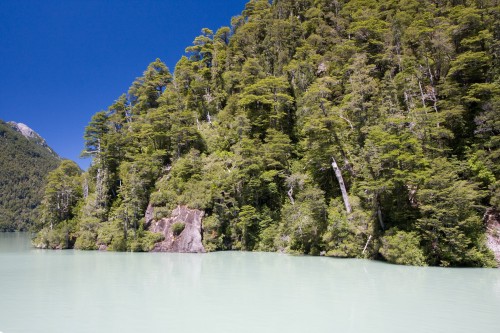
x=235, y=292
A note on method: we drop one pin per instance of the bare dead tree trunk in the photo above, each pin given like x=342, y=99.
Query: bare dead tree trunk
x=366, y=245
x=379, y=216
x=128, y=114
x=209, y=119
x=135, y=223
x=338, y=174
x=290, y=195
x=98, y=185
x=125, y=224
x=85, y=188
x=422, y=96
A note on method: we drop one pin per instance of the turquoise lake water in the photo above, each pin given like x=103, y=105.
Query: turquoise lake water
x=75, y=291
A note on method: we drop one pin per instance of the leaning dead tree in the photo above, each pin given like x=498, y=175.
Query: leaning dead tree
x=338, y=174
x=366, y=245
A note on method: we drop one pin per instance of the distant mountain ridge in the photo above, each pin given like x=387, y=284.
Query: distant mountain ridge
x=30, y=134
x=25, y=161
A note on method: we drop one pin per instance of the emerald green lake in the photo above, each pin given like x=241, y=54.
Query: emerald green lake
x=75, y=291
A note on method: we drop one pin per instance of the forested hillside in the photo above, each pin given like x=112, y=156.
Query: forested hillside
x=346, y=128
x=24, y=164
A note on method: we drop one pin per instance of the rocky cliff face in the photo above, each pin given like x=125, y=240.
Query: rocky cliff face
x=182, y=231
x=492, y=220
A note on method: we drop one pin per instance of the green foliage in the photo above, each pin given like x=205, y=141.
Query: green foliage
x=403, y=96
x=62, y=193
x=346, y=236
x=177, y=228
x=106, y=233
x=213, y=238
x=61, y=237
x=304, y=222
x=149, y=239
x=402, y=248
x=86, y=241
x=450, y=226
x=143, y=241
x=24, y=165
x=94, y=133
x=244, y=228
x=119, y=244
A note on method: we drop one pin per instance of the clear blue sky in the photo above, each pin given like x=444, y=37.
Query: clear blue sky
x=62, y=61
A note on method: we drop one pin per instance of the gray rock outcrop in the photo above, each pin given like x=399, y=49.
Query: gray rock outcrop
x=492, y=220
x=186, y=241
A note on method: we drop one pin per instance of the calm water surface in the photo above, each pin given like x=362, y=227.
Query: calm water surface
x=74, y=291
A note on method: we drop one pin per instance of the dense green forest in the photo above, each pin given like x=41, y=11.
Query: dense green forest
x=345, y=128
x=24, y=164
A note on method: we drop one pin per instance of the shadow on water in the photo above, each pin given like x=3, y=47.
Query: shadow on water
x=15, y=242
